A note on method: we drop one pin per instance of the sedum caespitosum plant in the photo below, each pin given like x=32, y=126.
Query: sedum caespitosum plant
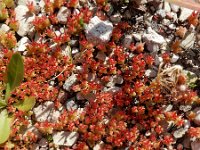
x=15, y=75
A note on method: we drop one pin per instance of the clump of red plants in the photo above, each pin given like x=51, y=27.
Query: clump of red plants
x=133, y=115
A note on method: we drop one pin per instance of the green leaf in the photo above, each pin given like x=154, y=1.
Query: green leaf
x=8, y=93
x=26, y=105
x=2, y=104
x=5, y=126
x=15, y=71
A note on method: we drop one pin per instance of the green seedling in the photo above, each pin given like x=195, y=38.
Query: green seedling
x=15, y=75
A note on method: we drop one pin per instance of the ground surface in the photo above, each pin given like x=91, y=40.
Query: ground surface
x=119, y=74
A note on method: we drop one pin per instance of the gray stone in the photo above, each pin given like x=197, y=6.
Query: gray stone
x=185, y=13
x=33, y=130
x=4, y=28
x=195, y=145
x=197, y=116
x=174, y=58
x=71, y=104
x=63, y=14
x=161, y=13
x=188, y=41
x=154, y=37
x=99, y=146
x=158, y=60
x=150, y=73
x=98, y=31
x=46, y=112
x=65, y=138
x=21, y=45
x=25, y=20
x=116, y=18
x=167, y=7
x=175, y=8
x=101, y=56
x=137, y=37
x=43, y=144
x=66, y=50
x=69, y=82
x=153, y=40
x=127, y=41
x=118, y=79
x=179, y=133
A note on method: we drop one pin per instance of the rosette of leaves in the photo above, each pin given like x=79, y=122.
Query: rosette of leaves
x=15, y=75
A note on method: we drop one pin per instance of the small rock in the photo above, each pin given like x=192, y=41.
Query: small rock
x=172, y=26
x=69, y=82
x=99, y=146
x=158, y=60
x=101, y=56
x=4, y=28
x=46, y=112
x=153, y=38
x=186, y=142
x=63, y=14
x=179, y=133
x=188, y=42
x=79, y=96
x=25, y=2
x=197, y=116
x=185, y=108
x=91, y=77
x=25, y=20
x=116, y=18
x=150, y=73
x=65, y=138
x=166, y=22
x=112, y=89
x=187, y=124
x=43, y=143
x=185, y=13
x=66, y=50
x=75, y=50
x=71, y=104
x=195, y=145
x=118, y=79
x=152, y=47
x=34, y=130
x=73, y=42
x=167, y=108
x=21, y=45
x=167, y=7
x=174, y=58
x=161, y=13
x=98, y=31
x=175, y=8
x=137, y=37
x=127, y=41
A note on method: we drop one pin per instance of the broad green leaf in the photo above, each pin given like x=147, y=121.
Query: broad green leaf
x=15, y=71
x=5, y=126
x=2, y=103
x=26, y=105
x=8, y=92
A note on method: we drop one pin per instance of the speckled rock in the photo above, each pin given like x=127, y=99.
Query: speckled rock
x=25, y=20
x=65, y=138
x=195, y=145
x=98, y=31
x=46, y=112
x=62, y=15
x=197, y=116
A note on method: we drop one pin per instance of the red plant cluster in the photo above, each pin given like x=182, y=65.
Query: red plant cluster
x=131, y=116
